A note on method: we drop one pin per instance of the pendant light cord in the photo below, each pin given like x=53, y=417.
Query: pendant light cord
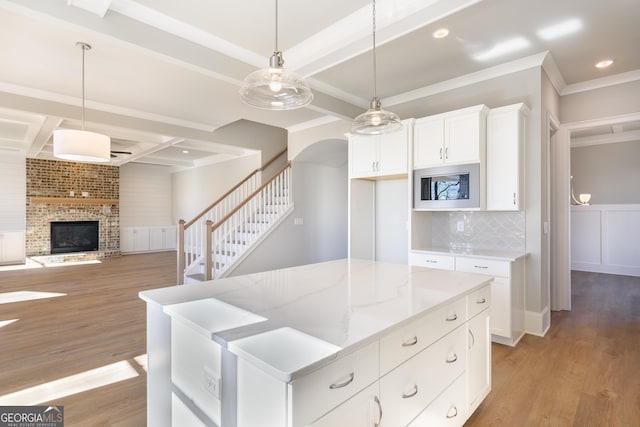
x=276, y=26
x=83, y=49
x=375, y=91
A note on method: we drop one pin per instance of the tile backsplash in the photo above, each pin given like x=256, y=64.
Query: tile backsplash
x=502, y=231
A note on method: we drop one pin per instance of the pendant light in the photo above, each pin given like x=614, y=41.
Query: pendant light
x=375, y=120
x=81, y=145
x=275, y=88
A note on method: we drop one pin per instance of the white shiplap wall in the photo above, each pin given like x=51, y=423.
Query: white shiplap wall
x=13, y=190
x=145, y=195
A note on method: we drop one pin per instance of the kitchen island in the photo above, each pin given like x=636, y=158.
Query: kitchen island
x=345, y=342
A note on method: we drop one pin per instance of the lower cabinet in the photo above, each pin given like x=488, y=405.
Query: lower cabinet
x=146, y=239
x=426, y=373
x=507, y=288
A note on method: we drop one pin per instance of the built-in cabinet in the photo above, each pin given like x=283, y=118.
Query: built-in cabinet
x=372, y=156
x=12, y=247
x=507, y=288
x=455, y=137
x=147, y=239
x=506, y=130
x=428, y=370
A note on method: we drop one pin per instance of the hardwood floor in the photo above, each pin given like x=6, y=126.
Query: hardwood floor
x=99, y=323
x=584, y=372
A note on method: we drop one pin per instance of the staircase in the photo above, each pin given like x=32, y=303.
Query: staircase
x=212, y=244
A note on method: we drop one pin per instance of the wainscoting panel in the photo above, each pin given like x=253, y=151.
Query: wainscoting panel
x=606, y=239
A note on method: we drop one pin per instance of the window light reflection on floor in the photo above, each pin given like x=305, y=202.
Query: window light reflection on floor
x=19, y=296
x=7, y=322
x=73, y=384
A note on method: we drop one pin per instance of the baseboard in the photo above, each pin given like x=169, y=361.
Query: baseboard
x=537, y=323
x=606, y=268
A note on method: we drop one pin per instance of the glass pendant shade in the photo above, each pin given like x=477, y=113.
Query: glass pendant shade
x=376, y=121
x=275, y=88
x=81, y=146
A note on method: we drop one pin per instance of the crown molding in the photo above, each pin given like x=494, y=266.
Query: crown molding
x=616, y=79
x=631, y=136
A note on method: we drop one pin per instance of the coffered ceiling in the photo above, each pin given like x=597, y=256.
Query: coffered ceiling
x=163, y=75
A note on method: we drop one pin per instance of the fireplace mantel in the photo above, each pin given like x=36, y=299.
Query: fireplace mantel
x=74, y=201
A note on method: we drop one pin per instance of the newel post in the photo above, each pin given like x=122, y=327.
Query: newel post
x=180, y=251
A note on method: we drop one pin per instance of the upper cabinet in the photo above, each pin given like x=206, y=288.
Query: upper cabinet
x=455, y=137
x=372, y=156
x=506, y=130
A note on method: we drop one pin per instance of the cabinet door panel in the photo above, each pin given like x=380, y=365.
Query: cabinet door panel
x=363, y=154
x=428, y=143
x=392, y=152
x=361, y=410
x=462, y=139
x=479, y=360
x=505, y=135
x=501, y=307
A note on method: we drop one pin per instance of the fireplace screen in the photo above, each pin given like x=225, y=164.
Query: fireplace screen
x=74, y=236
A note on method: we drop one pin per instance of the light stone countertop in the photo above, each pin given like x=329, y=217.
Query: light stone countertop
x=313, y=312
x=474, y=253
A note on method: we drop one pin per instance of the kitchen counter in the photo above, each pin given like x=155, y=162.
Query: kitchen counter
x=291, y=322
x=474, y=253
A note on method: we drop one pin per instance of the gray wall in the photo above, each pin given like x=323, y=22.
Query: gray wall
x=609, y=172
x=320, y=197
x=604, y=102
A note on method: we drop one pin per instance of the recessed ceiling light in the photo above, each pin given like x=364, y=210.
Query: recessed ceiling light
x=185, y=151
x=604, y=64
x=440, y=33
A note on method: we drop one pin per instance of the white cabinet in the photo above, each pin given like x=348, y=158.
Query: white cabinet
x=162, y=238
x=448, y=410
x=456, y=137
x=371, y=156
x=145, y=239
x=479, y=355
x=506, y=130
x=362, y=410
x=507, y=295
x=12, y=248
x=507, y=288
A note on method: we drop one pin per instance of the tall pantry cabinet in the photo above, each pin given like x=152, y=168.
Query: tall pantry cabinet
x=379, y=194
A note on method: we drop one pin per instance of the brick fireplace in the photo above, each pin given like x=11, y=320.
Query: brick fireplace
x=60, y=191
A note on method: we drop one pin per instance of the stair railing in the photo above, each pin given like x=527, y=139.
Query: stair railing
x=222, y=238
x=191, y=235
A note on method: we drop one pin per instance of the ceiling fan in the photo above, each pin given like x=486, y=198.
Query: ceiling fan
x=115, y=152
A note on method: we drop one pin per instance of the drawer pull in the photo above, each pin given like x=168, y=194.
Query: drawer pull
x=453, y=412
x=452, y=318
x=379, y=411
x=412, y=341
x=472, y=339
x=481, y=300
x=342, y=384
x=452, y=359
x=481, y=266
x=431, y=261
x=411, y=393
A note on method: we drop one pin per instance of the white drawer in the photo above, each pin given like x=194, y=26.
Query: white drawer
x=400, y=345
x=491, y=267
x=448, y=410
x=478, y=301
x=315, y=394
x=442, y=262
x=409, y=388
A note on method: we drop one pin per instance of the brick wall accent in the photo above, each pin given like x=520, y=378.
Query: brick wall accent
x=56, y=179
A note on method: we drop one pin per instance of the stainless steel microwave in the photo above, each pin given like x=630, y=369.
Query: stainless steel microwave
x=447, y=187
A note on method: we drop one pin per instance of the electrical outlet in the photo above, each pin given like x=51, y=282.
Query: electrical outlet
x=212, y=383
x=460, y=226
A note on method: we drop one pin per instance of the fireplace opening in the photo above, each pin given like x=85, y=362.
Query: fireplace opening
x=74, y=236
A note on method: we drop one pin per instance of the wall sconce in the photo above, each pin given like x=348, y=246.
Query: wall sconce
x=583, y=199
